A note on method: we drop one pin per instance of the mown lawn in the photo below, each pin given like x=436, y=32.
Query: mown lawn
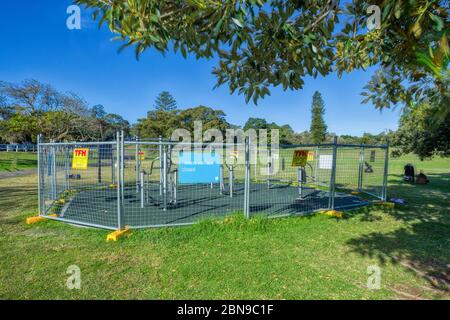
x=13, y=161
x=315, y=257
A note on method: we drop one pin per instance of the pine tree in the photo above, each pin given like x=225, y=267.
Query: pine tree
x=318, y=127
x=165, y=102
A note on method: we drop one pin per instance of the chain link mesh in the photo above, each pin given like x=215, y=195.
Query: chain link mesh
x=86, y=196
x=149, y=183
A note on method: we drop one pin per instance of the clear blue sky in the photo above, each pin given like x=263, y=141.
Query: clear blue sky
x=35, y=43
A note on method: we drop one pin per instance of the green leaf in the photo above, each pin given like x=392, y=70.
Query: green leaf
x=237, y=22
x=417, y=29
x=183, y=51
x=398, y=9
x=439, y=23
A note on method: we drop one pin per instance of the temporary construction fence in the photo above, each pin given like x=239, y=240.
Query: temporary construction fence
x=154, y=183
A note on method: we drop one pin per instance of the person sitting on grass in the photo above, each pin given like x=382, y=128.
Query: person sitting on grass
x=422, y=178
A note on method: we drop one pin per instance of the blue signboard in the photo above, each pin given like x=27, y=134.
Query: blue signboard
x=198, y=167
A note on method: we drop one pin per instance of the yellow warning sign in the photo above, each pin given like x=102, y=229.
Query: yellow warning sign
x=299, y=158
x=310, y=155
x=80, y=158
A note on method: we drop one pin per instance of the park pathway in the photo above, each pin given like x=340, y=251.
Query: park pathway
x=16, y=173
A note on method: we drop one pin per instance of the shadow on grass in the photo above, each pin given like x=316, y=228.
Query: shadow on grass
x=422, y=245
x=11, y=197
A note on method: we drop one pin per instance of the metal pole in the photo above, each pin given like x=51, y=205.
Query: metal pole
x=333, y=176
x=175, y=176
x=122, y=166
x=147, y=191
x=67, y=165
x=164, y=178
x=246, y=184
x=221, y=180
x=269, y=163
x=113, y=167
x=54, y=184
x=256, y=160
x=99, y=164
x=137, y=164
x=300, y=183
x=39, y=174
x=119, y=181
x=247, y=179
x=385, y=176
x=231, y=177
x=160, y=166
x=169, y=186
x=316, y=170
x=42, y=175
x=360, y=169
x=142, y=188
x=169, y=176
x=50, y=170
x=210, y=153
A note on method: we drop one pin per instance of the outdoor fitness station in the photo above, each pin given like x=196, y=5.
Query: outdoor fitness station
x=155, y=182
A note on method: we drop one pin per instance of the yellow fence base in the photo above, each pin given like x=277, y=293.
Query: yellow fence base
x=36, y=219
x=116, y=235
x=332, y=213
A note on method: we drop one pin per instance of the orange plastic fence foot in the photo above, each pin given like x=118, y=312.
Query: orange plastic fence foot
x=31, y=220
x=333, y=213
x=116, y=235
x=36, y=219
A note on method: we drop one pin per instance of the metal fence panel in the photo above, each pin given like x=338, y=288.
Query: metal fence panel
x=277, y=188
x=360, y=170
x=85, y=196
x=153, y=183
x=156, y=195
x=373, y=173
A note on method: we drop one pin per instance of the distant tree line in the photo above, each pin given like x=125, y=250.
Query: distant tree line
x=31, y=107
x=166, y=116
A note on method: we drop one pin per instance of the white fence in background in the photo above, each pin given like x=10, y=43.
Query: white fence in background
x=18, y=147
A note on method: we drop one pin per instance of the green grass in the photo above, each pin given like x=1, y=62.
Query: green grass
x=291, y=258
x=14, y=161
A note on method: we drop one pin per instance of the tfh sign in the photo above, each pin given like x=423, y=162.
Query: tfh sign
x=299, y=158
x=80, y=158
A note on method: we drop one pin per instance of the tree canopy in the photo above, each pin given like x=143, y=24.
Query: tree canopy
x=256, y=123
x=165, y=102
x=420, y=134
x=260, y=44
x=264, y=43
x=163, y=123
x=31, y=107
x=285, y=132
x=318, y=127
